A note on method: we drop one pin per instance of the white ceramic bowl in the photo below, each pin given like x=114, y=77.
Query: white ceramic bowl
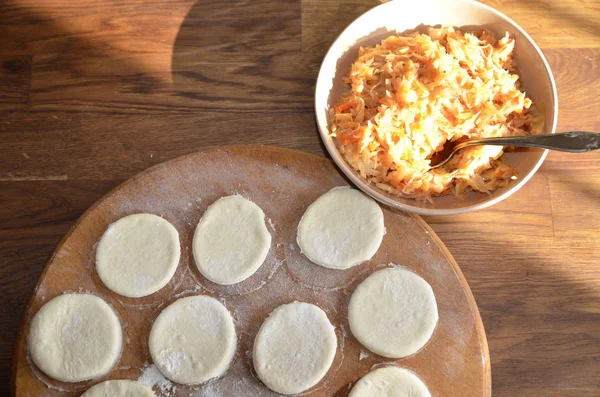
x=399, y=16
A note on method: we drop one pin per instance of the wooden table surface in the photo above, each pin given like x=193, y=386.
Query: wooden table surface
x=92, y=92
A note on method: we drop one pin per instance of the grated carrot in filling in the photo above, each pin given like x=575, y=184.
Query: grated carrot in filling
x=409, y=95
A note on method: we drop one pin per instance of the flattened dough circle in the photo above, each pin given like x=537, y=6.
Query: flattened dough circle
x=231, y=240
x=393, y=312
x=75, y=337
x=119, y=388
x=138, y=255
x=193, y=340
x=294, y=348
x=390, y=382
x=341, y=229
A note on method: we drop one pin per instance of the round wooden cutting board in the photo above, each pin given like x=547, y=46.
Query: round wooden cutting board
x=283, y=183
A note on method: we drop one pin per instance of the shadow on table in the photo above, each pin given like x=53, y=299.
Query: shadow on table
x=256, y=61
x=541, y=321
x=577, y=184
x=258, y=65
x=565, y=14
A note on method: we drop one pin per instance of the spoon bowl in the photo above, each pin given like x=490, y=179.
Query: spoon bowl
x=395, y=17
x=574, y=142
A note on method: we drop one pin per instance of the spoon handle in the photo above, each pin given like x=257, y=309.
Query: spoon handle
x=575, y=141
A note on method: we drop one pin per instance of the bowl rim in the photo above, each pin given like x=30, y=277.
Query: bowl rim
x=372, y=191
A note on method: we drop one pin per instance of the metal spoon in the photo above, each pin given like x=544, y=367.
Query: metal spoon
x=575, y=142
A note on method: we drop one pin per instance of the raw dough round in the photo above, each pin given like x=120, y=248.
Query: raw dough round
x=138, y=255
x=75, y=337
x=393, y=312
x=119, y=388
x=231, y=240
x=341, y=229
x=390, y=382
x=193, y=340
x=294, y=348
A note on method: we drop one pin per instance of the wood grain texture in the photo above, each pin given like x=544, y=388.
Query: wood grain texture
x=454, y=363
x=92, y=92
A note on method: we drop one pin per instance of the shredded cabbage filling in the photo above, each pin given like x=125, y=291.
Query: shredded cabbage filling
x=409, y=95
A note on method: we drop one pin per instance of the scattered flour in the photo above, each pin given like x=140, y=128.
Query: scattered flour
x=278, y=285
x=152, y=377
x=271, y=224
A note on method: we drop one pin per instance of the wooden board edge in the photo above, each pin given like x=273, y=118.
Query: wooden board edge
x=487, y=387
x=20, y=341
x=22, y=334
